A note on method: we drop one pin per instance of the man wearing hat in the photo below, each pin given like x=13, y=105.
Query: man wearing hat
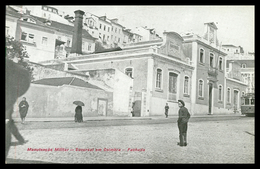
x=183, y=119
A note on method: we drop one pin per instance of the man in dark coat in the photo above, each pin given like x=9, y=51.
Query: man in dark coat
x=23, y=109
x=183, y=119
x=166, y=110
x=17, y=82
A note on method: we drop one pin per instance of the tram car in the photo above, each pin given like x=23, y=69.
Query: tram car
x=248, y=104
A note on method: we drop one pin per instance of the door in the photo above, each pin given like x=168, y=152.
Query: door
x=210, y=98
x=137, y=104
x=137, y=108
x=235, y=100
x=172, y=94
x=102, y=107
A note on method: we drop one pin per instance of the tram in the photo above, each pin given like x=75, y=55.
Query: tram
x=248, y=104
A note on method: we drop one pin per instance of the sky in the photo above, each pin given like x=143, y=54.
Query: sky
x=235, y=23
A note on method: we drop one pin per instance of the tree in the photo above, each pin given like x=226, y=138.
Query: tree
x=15, y=51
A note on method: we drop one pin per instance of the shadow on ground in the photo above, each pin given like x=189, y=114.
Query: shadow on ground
x=19, y=161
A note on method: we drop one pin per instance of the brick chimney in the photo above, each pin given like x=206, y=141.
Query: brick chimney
x=77, y=34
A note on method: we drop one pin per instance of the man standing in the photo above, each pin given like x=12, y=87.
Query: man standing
x=166, y=110
x=23, y=109
x=183, y=119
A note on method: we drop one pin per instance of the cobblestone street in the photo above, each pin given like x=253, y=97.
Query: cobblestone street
x=229, y=141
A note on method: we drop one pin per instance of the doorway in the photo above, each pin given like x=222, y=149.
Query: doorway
x=235, y=101
x=102, y=107
x=210, y=98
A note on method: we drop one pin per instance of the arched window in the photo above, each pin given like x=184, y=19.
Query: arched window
x=201, y=86
x=220, y=93
x=220, y=63
x=202, y=55
x=158, y=79
x=211, y=60
x=243, y=65
x=228, y=95
x=186, y=85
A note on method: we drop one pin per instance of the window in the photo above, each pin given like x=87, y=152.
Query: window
x=108, y=29
x=252, y=101
x=68, y=43
x=228, y=95
x=44, y=40
x=201, y=86
x=112, y=28
x=243, y=65
x=172, y=86
x=83, y=45
x=104, y=27
x=24, y=36
x=211, y=60
x=119, y=30
x=246, y=101
x=49, y=9
x=107, y=38
x=45, y=8
x=89, y=47
x=115, y=30
x=118, y=40
x=111, y=37
x=220, y=92
x=129, y=72
x=159, y=78
x=104, y=36
x=220, y=64
x=31, y=38
x=186, y=85
x=100, y=26
x=6, y=30
x=201, y=56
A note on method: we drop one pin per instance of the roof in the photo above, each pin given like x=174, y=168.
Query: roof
x=174, y=33
x=11, y=11
x=65, y=27
x=109, y=50
x=59, y=81
x=229, y=45
x=212, y=24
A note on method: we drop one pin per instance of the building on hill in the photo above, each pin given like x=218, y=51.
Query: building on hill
x=44, y=39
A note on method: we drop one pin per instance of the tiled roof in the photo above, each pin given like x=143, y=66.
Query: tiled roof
x=65, y=27
x=12, y=12
x=73, y=81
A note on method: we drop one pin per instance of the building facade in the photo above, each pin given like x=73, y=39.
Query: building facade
x=44, y=39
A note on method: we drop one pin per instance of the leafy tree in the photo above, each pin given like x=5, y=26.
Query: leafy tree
x=17, y=52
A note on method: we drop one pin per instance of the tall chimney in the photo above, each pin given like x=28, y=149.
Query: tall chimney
x=77, y=34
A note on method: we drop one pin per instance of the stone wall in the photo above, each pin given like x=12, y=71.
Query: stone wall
x=52, y=101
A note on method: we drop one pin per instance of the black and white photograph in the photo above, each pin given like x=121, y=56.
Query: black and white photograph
x=127, y=84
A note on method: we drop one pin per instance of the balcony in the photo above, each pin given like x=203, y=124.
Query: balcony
x=213, y=71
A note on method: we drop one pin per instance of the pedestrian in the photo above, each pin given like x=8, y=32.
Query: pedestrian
x=166, y=110
x=133, y=104
x=23, y=109
x=78, y=114
x=183, y=119
x=13, y=74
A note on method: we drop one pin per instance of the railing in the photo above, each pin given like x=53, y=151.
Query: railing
x=213, y=71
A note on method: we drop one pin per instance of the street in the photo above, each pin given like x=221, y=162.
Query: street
x=215, y=140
